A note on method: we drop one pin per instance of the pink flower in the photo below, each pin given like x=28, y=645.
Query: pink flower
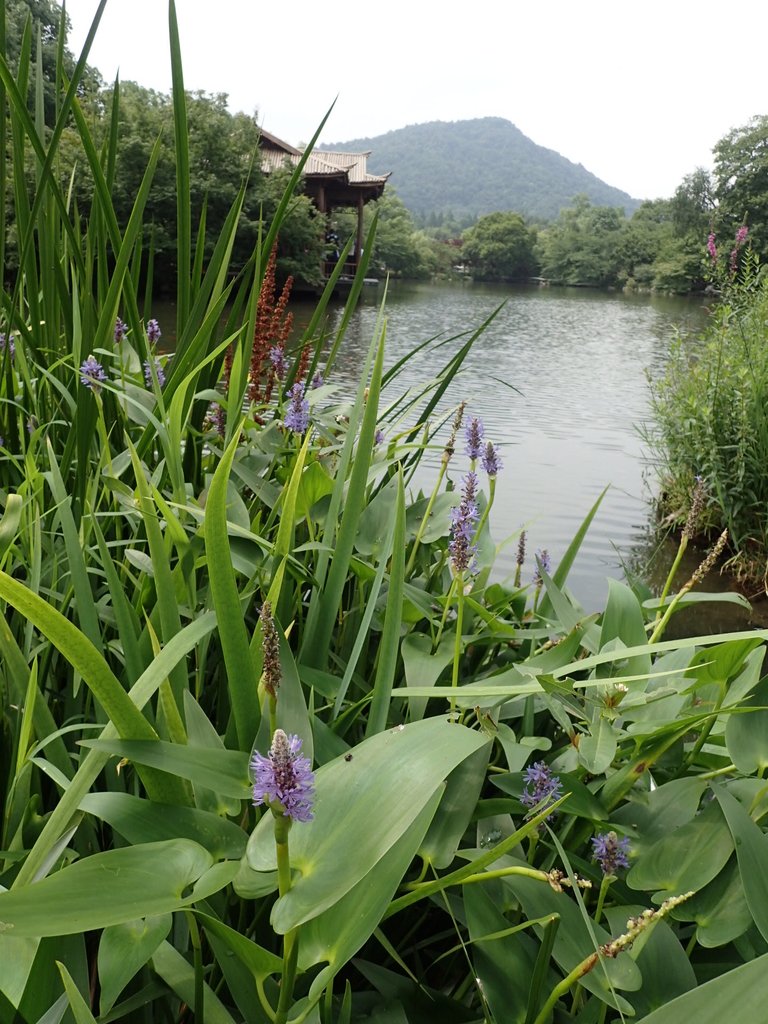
x=712, y=248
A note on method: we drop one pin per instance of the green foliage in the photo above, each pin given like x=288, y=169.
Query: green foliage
x=145, y=529
x=741, y=181
x=500, y=248
x=710, y=419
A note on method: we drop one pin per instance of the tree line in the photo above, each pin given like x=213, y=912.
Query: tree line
x=661, y=246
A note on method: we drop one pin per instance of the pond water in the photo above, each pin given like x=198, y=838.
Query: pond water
x=559, y=380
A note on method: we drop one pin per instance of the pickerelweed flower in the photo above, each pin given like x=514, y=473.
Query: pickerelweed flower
x=473, y=434
x=278, y=360
x=120, y=329
x=463, y=518
x=284, y=778
x=610, y=852
x=492, y=463
x=541, y=786
x=92, y=374
x=158, y=370
x=153, y=331
x=520, y=557
x=270, y=648
x=317, y=380
x=378, y=437
x=697, y=507
x=297, y=416
x=7, y=343
x=712, y=248
x=546, y=564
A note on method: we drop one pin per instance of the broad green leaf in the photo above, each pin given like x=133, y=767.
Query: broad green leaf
x=573, y=942
x=503, y=963
x=656, y=813
x=363, y=804
x=102, y=890
x=80, y=1010
x=390, y=637
x=739, y=994
x=423, y=666
x=746, y=736
x=123, y=951
x=667, y=971
x=315, y=484
x=141, y=821
x=259, y=961
x=241, y=678
x=179, y=976
x=339, y=932
x=223, y=770
x=456, y=808
x=598, y=748
x=202, y=734
x=623, y=621
x=9, y=524
x=685, y=860
x=17, y=957
x=752, y=854
x=94, y=761
x=720, y=909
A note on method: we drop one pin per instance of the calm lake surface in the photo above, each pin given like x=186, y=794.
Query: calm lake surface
x=559, y=380
x=578, y=361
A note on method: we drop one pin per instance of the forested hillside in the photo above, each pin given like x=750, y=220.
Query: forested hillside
x=469, y=168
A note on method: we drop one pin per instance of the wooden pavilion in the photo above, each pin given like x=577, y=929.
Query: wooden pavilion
x=330, y=180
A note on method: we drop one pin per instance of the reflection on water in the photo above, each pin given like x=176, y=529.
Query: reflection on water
x=559, y=378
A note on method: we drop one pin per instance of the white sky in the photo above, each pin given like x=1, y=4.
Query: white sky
x=638, y=93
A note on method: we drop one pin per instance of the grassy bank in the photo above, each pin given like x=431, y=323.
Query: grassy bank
x=710, y=420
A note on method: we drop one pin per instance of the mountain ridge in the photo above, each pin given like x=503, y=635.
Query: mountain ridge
x=472, y=167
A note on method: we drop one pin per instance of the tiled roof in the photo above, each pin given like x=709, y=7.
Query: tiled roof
x=353, y=166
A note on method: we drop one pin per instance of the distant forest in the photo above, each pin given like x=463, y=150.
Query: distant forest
x=468, y=197
x=465, y=169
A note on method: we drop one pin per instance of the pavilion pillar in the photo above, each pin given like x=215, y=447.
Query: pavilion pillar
x=359, y=239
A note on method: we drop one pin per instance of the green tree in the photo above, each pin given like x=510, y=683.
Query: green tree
x=46, y=18
x=741, y=181
x=582, y=246
x=500, y=248
x=693, y=204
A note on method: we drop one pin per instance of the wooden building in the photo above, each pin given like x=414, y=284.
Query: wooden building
x=330, y=180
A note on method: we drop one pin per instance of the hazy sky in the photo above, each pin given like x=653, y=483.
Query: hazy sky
x=636, y=92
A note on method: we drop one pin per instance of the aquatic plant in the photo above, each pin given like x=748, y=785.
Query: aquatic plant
x=270, y=750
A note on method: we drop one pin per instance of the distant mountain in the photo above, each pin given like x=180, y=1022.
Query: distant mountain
x=469, y=168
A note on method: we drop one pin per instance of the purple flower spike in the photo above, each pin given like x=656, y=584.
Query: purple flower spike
x=92, y=374
x=7, y=343
x=153, y=331
x=463, y=518
x=120, y=329
x=473, y=435
x=158, y=370
x=378, y=437
x=284, y=777
x=541, y=786
x=546, y=564
x=279, y=362
x=491, y=460
x=610, y=852
x=317, y=380
x=712, y=248
x=297, y=417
